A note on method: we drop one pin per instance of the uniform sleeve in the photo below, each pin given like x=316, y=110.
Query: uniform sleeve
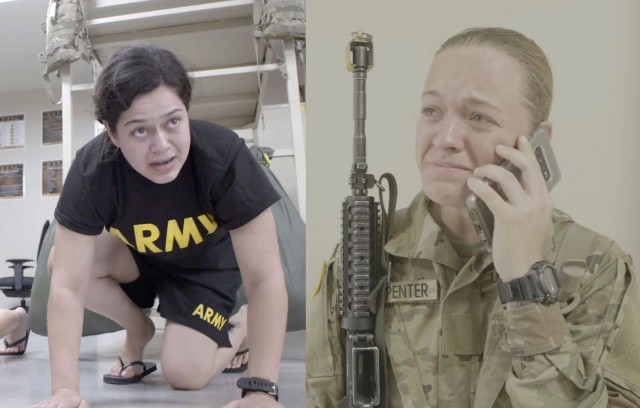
x=243, y=191
x=325, y=348
x=562, y=356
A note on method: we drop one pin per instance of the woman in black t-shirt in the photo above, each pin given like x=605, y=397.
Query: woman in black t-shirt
x=159, y=205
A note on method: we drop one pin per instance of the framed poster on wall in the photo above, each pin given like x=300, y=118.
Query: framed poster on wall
x=12, y=131
x=11, y=180
x=52, y=127
x=51, y=177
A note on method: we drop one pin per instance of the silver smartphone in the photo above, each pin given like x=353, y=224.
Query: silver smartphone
x=481, y=215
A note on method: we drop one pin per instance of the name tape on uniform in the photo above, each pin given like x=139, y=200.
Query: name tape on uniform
x=412, y=291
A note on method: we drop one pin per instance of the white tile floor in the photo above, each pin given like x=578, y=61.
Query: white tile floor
x=25, y=380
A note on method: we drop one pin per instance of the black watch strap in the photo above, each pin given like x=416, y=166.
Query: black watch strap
x=535, y=285
x=515, y=290
x=258, y=384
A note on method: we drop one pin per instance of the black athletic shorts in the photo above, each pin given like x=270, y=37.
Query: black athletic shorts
x=202, y=300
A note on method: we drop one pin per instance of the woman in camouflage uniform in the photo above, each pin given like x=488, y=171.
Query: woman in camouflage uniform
x=453, y=343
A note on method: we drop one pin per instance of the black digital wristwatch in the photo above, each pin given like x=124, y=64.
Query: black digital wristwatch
x=540, y=284
x=258, y=384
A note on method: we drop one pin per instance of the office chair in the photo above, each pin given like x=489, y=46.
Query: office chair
x=18, y=285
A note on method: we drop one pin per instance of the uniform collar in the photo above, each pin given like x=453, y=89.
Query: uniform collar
x=418, y=236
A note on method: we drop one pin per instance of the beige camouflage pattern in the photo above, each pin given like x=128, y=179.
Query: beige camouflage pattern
x=465, y=349
x=65, y=30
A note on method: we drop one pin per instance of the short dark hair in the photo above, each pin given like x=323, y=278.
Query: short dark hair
x=133, y=71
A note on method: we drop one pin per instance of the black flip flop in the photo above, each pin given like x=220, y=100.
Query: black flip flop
x=147, y=368
x=14, y=344
x=243, y=366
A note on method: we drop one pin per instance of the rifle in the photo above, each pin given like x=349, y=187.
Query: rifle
x=363, y=233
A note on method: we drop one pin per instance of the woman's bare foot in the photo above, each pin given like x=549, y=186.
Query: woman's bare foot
x=242, y=355
x=134, y=345
x=19, y=320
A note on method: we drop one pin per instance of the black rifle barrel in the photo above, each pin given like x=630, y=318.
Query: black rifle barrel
x=360, y=248
x=360, y=61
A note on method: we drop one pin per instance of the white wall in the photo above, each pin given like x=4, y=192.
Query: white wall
x=21, y=219
x=594, y=50
x=274, y=131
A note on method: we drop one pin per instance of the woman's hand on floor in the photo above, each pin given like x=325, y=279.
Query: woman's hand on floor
x=63, y=398
x=255, y=400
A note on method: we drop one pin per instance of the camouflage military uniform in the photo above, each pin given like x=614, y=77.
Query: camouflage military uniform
x=451, y=343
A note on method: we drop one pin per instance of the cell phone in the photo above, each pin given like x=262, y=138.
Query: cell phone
x=480, y=214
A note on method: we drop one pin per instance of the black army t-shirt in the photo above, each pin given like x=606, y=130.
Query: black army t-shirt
x=182, y=224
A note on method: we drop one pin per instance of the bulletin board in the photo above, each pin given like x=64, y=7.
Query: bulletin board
x=51, y=177
x=12, y=131
x=11, y=181
x=52, y=127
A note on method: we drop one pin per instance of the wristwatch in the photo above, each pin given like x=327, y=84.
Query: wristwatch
x=258, y=384
x=540, y=284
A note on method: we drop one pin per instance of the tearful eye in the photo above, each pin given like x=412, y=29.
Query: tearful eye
x=429, y=111
x=478, y=118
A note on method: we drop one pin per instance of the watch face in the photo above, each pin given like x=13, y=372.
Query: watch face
x=549, y=282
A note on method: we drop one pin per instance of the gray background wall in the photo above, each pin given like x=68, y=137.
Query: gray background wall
x=594, y=50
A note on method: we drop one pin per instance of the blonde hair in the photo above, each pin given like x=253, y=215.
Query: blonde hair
x=538, y=90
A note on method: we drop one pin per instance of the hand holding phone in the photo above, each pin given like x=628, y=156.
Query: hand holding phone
x=482, y=216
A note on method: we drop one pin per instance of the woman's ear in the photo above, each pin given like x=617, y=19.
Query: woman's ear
x=548, y=127
x=112, y=135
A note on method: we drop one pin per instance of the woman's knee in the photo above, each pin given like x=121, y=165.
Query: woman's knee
x=183, y=376
x=188, y=357
x=102, y=266
x=112, y=258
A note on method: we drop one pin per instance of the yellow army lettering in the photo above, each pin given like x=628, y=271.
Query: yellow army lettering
x=146, y=235
x=210, y=316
